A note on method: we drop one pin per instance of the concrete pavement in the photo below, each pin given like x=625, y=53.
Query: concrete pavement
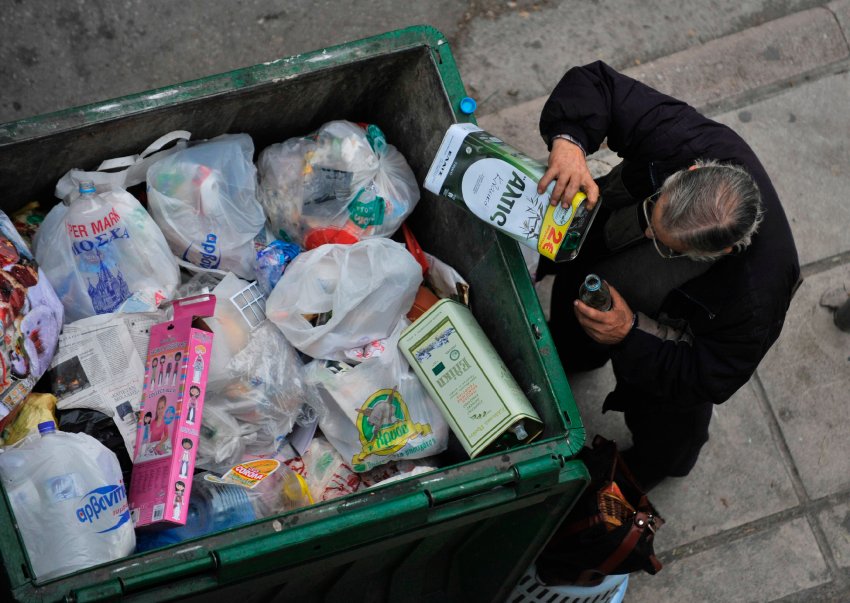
x=765, y=516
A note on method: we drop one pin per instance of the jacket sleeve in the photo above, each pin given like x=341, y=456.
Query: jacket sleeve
x=689, y=369
x=593, y=102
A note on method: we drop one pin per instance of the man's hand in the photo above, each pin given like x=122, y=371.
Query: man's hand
x=568, y=167
x=606, y=327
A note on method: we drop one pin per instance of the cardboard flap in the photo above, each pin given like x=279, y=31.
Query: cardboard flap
x=197, y=305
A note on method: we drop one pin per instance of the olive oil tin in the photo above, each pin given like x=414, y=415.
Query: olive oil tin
x=459, y=367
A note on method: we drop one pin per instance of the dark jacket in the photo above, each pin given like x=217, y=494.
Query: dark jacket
x=733, y=312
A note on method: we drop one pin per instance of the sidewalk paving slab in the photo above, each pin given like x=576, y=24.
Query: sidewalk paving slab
x=761, y=56
x=841, y=10
x=802, y=137
x=740, y=478
x=836, y=525
x=762, y=566
x=739, y=460
x=806, y=377
x=731, y=67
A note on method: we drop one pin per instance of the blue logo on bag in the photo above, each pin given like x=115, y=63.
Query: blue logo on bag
x=105, y=507
x=207, y=252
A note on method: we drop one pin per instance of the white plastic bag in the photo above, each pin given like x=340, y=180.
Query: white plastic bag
x=204, y=199
x=341, y=184
x=326, y=473
x=377, y=411
x=103, y=250
x=366, y=287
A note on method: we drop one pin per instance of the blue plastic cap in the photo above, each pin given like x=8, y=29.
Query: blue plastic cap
x=468, y=105
x=46, y=427
x=592, y=282
x=87, y=186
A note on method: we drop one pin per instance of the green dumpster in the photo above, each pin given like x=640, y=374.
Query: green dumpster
x=464, y=533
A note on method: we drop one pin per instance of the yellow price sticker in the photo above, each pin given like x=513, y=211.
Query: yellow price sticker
x=556, y=222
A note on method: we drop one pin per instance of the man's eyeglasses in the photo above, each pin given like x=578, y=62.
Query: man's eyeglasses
x=663, y=250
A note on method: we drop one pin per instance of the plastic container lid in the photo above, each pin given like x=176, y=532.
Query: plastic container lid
x=87, y=186
x=592, y=282
x=468, y=105
x=46, y=427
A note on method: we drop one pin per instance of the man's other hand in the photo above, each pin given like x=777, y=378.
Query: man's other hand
x=606, y=327
x=568, y=167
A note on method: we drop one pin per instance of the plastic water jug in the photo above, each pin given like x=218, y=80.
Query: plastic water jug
x=69, y=500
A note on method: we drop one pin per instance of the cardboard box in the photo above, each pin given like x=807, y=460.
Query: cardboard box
x=170, y=416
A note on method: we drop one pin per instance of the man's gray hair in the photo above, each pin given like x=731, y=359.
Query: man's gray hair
x=711, y=207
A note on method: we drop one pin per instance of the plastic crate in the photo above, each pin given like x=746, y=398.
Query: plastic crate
x=530, y=590
x=465, y=532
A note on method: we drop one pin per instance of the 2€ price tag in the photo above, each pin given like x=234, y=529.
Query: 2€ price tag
x=556, y=222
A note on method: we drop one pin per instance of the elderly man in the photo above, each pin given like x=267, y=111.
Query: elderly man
x=696, y=250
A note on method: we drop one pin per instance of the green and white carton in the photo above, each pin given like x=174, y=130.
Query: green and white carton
x=498, y=184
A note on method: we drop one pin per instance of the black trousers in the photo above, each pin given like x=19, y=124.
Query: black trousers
x=667, y=438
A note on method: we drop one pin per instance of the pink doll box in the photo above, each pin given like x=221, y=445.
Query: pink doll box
x=170, y=415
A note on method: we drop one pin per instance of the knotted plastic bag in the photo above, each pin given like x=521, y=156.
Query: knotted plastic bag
x=204, y=199
x=340, y=297
x=101, y=250
x=377, y=411
x=341, y=184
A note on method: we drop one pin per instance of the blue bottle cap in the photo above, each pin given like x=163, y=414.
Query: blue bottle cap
x=468, y=105
x=46, y=427
x=87, y=186
x=592, y=282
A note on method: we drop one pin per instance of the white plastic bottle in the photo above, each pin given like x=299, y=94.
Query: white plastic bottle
x=69, y=501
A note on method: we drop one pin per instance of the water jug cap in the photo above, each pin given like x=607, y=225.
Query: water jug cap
x=87, y=186
x=46, y=427
x=468, y=105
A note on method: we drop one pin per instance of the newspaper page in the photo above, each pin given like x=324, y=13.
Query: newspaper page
x=99, y=365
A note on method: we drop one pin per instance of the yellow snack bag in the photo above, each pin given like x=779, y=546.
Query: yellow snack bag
x=36, y=409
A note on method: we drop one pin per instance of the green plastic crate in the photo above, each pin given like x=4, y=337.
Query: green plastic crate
x=464, y=533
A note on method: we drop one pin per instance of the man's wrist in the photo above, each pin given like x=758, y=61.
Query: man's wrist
x=568, y=138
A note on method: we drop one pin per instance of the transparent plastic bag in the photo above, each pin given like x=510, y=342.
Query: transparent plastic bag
x=341, y=184
x=377, y=411
x=204, y=200
x=327, y=474
x=103, y=250
x=252, y=413
x=362, y=289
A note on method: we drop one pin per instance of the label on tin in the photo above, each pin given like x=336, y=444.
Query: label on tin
x=469, y=397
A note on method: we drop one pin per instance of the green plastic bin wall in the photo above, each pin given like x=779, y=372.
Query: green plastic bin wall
x=464, y=533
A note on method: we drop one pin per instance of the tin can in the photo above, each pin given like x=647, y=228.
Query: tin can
x=463, y=373
x=498, y=184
